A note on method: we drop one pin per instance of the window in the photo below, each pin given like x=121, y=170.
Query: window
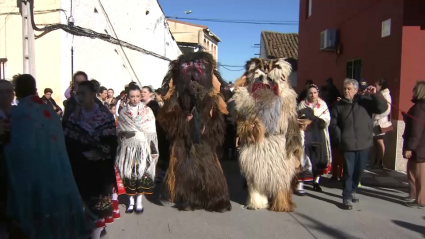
x=386, y=28
x=309, y=7
x=354, y=69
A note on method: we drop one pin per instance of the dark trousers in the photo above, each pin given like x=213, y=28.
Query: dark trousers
x=354, y=164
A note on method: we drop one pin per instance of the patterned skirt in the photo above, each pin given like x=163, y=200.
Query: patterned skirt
x=138, y=184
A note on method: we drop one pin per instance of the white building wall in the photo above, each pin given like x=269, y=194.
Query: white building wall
x=106, y=62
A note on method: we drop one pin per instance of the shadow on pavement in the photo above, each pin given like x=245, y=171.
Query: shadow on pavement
x=235, y=181
x=157, y=197
x=317, y=225
x=324, y=192
x=411, y=227
x=381, y=195
x=338, y=204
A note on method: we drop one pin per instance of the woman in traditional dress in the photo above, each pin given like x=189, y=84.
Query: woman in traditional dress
x=43, y=199
x=138, y=149
x=316, y=138
x=91, y=142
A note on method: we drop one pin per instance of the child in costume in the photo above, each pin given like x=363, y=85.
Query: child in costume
x=269, y=134
x=193, y=119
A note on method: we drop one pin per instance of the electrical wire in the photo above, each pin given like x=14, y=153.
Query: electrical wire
x=37, y=12
x=122, y=48
x=84, y=32
x=80, y=31
x=229, y=68
x=255, y=22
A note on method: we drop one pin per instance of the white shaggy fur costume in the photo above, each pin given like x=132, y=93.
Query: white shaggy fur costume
x=269, y=134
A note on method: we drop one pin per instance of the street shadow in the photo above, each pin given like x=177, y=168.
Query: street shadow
x=235, y=181
x=308, y=187
x=381, y=192
x=410, y=226
x=405, y=190
x=319, y=226
x=156, y=197
x=381, y=195
x=337, y=204
x=327, y=183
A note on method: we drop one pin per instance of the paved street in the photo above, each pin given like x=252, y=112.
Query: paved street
x=380, y=214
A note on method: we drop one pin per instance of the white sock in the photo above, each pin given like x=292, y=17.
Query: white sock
x=114, y=197
x=131, y=204
x=95, y=234
x=316, y=179
x=139, y=202
x=300, y=186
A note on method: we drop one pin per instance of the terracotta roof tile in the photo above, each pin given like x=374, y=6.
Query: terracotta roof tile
x=280, y=45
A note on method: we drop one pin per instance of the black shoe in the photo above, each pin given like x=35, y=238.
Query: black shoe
x=128, y=211
x=317, y=187
x=334, y=178
x=103, y=233
x=347, y=205
x=355, y=198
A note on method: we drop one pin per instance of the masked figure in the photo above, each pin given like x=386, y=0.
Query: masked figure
x=193, y=119
x=269, y=135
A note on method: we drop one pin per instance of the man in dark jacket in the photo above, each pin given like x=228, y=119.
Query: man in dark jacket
x=48, y=100
x=71, y=103
x=351, y=125
x=333, y=93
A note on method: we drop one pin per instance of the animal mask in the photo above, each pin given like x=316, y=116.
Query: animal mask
x=266, y=74
x=191, y=72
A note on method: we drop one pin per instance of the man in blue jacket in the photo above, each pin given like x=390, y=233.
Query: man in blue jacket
x=351, y=125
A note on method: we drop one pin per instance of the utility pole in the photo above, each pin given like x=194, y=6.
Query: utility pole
x=28, y=41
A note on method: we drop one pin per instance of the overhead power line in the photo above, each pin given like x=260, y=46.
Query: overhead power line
x=122, y=48
x=80, y=31
x=228, y=67
x=37, y=12
x=231, y=66
x=231, y=69
x=255, y=22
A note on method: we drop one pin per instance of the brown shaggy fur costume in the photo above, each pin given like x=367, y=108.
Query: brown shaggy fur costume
x=193, y=119
x=269, y=135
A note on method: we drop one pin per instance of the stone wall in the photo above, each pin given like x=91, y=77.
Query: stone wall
x=401, y=162
x=393, y=158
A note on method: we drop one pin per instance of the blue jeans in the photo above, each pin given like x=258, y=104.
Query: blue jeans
x=354, y=164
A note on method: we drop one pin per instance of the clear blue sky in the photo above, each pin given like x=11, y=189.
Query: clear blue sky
x=237, y=39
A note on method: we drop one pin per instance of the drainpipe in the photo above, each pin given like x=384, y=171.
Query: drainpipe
x=72, y=61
